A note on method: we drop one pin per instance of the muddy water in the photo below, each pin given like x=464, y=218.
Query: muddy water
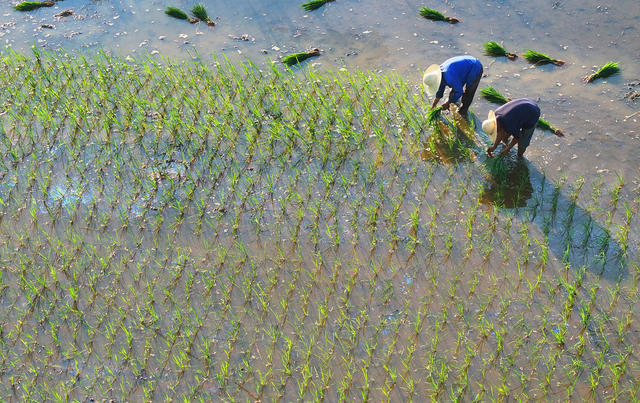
x=390, y=35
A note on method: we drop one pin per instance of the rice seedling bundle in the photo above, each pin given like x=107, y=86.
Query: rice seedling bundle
x=540, y=58
x=176, y=13
x=200, y=13
x=493, y=48
x=492, y=95
x=296, y=58
x=32, y=5
x=436, y=15
x=314, y=4
x=497, y=168
x=544, y=125
x=607, y=70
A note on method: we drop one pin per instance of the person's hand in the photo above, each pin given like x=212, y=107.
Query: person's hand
x=558, y=133
x=490, y=152
x=445, y=106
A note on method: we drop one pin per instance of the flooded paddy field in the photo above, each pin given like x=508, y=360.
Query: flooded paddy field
x=221, y=232
x=177, y=226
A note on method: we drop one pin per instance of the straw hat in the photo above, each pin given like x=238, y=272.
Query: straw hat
x=490, y=126
x=431, y=79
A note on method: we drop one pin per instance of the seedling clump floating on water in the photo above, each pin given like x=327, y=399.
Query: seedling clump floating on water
x=200, y=13
x=492, y=95
x=296, y=58
x=32, y=5
x=493, y=48
x=607, y=70
x=540, y=58
x=436, y=15
x=544, y=125
x=315, y=4
x=176, y=13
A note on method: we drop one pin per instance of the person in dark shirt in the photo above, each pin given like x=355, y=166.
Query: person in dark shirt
x=517, y=119
x=461, y=73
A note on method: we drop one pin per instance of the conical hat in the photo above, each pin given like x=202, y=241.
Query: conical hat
x=490, y=126
x=431, y=79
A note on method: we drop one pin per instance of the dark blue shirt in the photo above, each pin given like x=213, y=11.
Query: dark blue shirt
x=517, y=115
x=456, y=72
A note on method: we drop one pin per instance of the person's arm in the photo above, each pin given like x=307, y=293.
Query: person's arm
x=491, y=149
x=514, y=141
x=435, y=102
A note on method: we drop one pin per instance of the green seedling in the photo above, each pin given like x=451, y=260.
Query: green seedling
x=200, y=13
x=435, y=15
x=540, y=58
x=607, y=70
x=176, y=13
x=492, y=95
x=296, y=58
x=314, y=4
x=32, y=5
x=493, y=48
x=544, y=125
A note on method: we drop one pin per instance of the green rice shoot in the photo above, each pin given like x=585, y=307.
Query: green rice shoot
x=544, y=125
x=200, y=12
x=497, y=168
x=607, y=70
x=176, y=13
x=296, y=58
x=314, y=4
x=540, y=58
x=436, y=15
x=492, y=95
x=32, y=5
x=493, y=48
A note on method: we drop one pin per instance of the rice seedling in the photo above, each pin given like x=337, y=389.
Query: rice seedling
x=32, y=5
x=493, y=48
x=544, y=125
x=540, y=58
x=296, y=58
x=492, y=95
x=176, y=13
x=314, y=4
x=607, y=70
x=436, y=15
x=200, y=12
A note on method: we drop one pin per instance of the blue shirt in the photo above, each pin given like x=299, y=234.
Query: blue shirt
x=517, y=115
x=456, y=72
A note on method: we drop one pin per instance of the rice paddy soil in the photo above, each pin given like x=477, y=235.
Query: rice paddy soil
x=217, y=230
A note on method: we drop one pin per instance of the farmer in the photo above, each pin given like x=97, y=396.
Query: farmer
x=517, y=118
x=457, y=72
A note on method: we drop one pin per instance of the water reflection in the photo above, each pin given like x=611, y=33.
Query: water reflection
x=514, y=190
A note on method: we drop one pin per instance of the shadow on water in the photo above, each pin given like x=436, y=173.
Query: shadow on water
x=573, y=235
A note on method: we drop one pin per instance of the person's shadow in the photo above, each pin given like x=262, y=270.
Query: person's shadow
x=573, y=235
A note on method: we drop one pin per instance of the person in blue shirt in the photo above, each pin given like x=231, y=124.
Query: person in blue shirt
x=461, y=73
x=517, y=119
